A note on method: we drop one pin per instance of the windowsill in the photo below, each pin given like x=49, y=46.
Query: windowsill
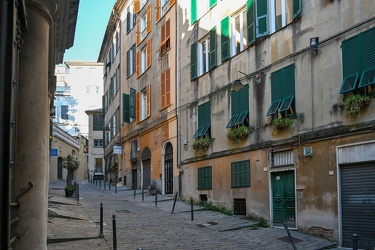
x=163, y=108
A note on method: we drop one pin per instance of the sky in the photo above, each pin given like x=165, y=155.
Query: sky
x=93, y=16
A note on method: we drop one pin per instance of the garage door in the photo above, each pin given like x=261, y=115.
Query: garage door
x=358, y=205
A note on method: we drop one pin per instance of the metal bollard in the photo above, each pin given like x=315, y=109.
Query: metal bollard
x=143, y=194
x=156, y=198
x=114, y=232
x=101, y=221
x=192, y=211
x=110, y=184
x=174, y=203
x=134, y=191
x=104, y=184
x=355, y=241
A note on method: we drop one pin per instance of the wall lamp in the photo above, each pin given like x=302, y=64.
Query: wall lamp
x=237, y=84
x=314, y=44
x=107, y=129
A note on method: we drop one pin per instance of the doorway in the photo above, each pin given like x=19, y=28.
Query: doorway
x=168, y=169
x=283, y=199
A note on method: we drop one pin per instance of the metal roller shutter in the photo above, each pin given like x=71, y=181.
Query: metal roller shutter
x=358, y=204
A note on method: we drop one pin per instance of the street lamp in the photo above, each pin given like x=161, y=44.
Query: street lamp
x=237, y=84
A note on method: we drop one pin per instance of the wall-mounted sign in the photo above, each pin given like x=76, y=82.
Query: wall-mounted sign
x=117, y=150
x=53, y=152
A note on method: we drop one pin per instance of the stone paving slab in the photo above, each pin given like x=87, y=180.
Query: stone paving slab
x=142, y=225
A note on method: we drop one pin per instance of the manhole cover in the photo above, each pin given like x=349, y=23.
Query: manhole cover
x=122, y=211
x=286, y=239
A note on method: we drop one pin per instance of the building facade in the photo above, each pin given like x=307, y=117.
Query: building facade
x=96, y=143
x=291, y=145
x=146, y=124
x=79, y=87
x=33, y=38
x=62, y=145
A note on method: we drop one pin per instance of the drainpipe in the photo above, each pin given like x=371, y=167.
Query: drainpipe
x=178, y=96
x=6, y=26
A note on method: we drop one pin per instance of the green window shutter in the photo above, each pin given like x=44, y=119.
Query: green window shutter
x=193, y=14
x=133, y=97
x=297, y=8
x=262, y=18
x=289, y=81
x=351, y=63
x=128, y=63
x=250, y=16
x=225, y=40
x=194, y=61
x=368, y=49
x=240, y=174
x=200, y=178
x=212, y=3
x=368, y=58
x=213, y=52
x=209, y=178
x=204, y=114
x=244, y=99
x=103, y=104
x=277, y=85
x=235, y=99
x=125, y=108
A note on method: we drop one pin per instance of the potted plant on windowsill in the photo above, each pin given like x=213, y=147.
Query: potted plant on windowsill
x=352, y=105
x=237, y=133
x=201, y=143
x=282, y=123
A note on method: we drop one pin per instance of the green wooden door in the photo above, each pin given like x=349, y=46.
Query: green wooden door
x=283, y=197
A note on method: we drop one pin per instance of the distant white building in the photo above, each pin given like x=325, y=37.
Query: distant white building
x=79, y=87
x=95, y=146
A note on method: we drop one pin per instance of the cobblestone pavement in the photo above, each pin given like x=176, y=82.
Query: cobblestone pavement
x=74, y=223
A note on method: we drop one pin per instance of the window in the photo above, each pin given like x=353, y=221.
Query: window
x=130, y=61
x=144, y=25
x=204, y=52
x=281, y=14
x=162, y=7
x=143, y=104
x=239, y=107
x=143, y=59
x=205, y=178
x=239, y=33
x=240, y=174
x=128, y=106
x=203, y=55
x=233, y=35
x=97, y=121
x=282, y=92
x=130, y=19
x=196, y=12
x=98, y=143
x=165, y=43
x=358, y=63
x=64, y=112
x=165, y=89
x=282, y=158
x=98, y=164
x=204, y=121
x=258, y=17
